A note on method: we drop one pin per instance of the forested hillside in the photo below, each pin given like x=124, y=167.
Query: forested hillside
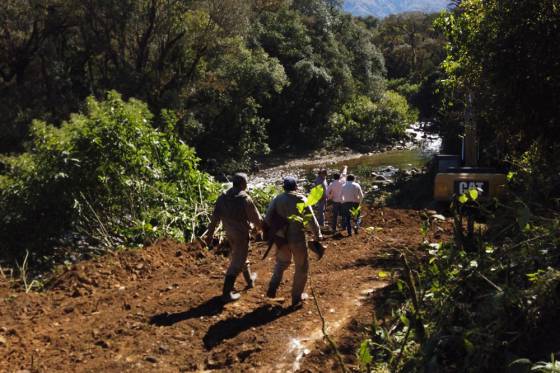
x=414, y=50
x=243, y=77
x=104, y=105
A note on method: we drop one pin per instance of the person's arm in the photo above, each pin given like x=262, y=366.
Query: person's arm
x=214, y=221
x=253, y=214
x=344, y=173
x=269, y=211
x=360, y=193
x=330, y=191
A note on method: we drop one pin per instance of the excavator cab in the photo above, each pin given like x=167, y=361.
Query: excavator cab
x=456, y=174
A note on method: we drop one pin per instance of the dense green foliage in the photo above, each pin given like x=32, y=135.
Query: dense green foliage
x=242, y=77
x=411, y=45
x=106, y=174
x=488, y=301
x=505, y=55
x=485, y=302
x=364, y=122
x=413, y=49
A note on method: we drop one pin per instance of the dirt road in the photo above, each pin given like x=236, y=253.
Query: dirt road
x=157, y=309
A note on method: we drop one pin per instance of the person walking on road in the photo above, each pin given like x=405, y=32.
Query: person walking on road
x=290, y=240
x=322, y=204
x=236, y=210
x=351, y=197
x=334, y=194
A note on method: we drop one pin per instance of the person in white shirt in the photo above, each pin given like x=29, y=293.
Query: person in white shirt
x=334, y=191
x=351, y=197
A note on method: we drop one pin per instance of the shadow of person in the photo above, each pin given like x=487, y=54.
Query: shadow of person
x=231, y=327
x=211, y=307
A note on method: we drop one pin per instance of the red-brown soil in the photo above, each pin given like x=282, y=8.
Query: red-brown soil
x=157, y=309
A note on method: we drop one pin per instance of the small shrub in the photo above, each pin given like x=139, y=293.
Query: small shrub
x=106, y=174
x=363, y=122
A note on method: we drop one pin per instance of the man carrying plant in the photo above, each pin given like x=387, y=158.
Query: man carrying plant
x=351, y=197
x=236, y=210
x=290, y=239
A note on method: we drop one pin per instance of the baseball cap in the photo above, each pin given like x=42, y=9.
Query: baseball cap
x=289, y=183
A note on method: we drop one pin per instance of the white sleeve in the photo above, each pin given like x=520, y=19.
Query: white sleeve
x=329, y=191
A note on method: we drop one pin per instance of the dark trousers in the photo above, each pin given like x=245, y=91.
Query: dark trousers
x=336, y=212
x=347, y=215
x=320, y=208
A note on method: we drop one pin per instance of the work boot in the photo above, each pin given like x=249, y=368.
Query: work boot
x=297, y=300
x=229, y=294
x=249, y=277
x=272, y=288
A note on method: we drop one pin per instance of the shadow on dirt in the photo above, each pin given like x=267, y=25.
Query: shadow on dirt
x=211, y=307
x=376, y=262
x=230, y=328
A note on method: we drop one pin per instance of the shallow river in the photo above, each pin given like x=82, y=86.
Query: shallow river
x=412, y=154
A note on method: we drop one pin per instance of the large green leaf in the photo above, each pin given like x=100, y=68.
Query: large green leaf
x=315, y=195
x=473, y=193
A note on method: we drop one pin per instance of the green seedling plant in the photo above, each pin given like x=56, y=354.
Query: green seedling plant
x=305, y=214
x=355, y=212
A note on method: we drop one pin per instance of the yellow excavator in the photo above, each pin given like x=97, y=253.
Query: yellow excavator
x=456, y=174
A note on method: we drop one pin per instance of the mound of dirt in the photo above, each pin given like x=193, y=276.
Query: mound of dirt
x=120, y=268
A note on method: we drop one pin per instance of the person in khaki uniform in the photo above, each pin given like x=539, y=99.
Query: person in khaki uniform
x=236, y=210
x=290, y=240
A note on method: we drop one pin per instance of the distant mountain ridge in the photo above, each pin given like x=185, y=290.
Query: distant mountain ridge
x=383, y=8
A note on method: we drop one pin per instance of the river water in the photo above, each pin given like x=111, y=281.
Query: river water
x=411, y=154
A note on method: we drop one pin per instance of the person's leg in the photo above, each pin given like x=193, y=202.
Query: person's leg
x=250, y=277
x=283, y=259
x=301, y=264
x=335, y=213
x=347, y=217
x=321, y=212
x=239, y=248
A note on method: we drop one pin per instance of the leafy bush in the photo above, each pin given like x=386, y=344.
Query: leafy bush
x=404, y=88
x=496, y=47
x=107, y=174
x=366, y=123
x=262, y=196
x=480, y=303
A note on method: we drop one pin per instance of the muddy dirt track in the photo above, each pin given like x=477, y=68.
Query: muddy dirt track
x=158, y=309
